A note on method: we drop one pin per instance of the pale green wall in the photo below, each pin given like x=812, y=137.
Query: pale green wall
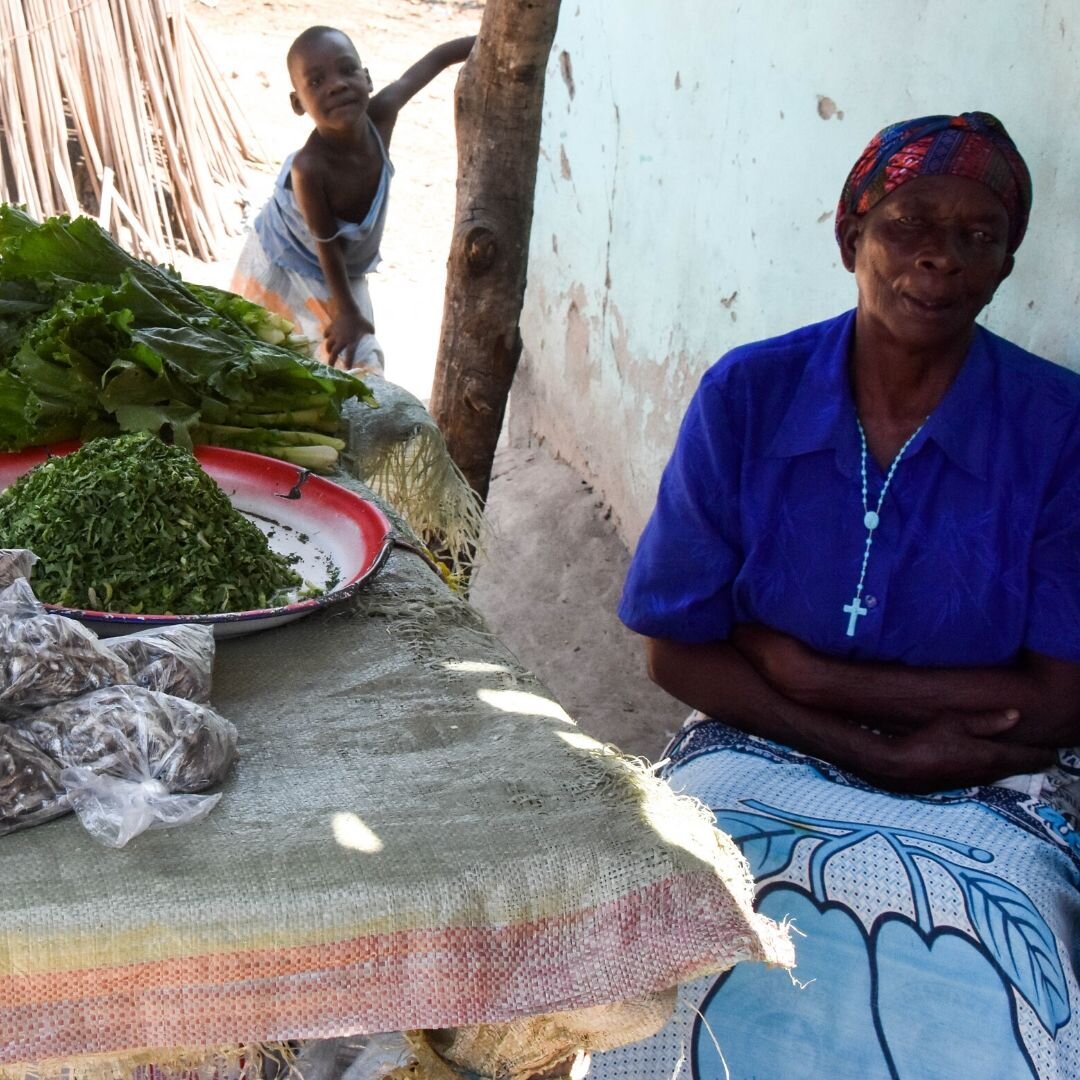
x=686, y=190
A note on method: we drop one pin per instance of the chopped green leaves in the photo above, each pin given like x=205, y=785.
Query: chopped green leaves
x=129, y=524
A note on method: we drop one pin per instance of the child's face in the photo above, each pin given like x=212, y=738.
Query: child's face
x=329, y=82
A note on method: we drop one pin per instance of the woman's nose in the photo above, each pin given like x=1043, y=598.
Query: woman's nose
x=941, y=252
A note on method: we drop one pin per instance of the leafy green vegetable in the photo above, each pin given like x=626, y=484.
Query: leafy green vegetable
x=94, y=342
x=266, y=325
x=129, y=524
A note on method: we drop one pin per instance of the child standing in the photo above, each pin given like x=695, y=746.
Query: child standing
x=318, y=237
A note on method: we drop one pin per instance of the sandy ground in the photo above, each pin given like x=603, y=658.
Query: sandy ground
x=549, y=581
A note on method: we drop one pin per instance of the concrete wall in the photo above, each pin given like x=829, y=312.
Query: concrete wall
x=692, y=155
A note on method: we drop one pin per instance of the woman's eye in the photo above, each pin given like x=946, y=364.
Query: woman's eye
x=983, y=236
x=910, y=220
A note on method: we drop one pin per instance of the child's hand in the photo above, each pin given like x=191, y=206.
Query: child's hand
x=344, y=331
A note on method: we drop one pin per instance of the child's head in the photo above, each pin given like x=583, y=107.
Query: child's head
x=329, y=82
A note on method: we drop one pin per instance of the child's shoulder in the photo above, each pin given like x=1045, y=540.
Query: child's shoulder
x=312, y=159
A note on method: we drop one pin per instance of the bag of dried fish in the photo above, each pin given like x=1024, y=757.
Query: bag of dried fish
x=176, y=659
x=45, y=658
x=30, y=788
x=130, y=757
x=15, y=563
x=137, y=734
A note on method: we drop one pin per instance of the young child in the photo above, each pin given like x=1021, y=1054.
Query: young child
x=318, y=237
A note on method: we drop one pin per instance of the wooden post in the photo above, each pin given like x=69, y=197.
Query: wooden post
x=498, y=103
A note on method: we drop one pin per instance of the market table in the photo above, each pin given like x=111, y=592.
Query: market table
x=415, y=835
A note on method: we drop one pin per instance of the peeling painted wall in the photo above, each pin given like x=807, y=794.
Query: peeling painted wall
x=692, y=155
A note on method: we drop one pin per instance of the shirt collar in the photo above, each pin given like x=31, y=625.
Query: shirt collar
x=958, y=425
x=821, y=415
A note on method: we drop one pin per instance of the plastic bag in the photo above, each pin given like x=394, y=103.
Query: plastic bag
x=46, y=658
x=135, y=733
x=15, y=563
x=113, y=809
x=176, y=660
x=131, y=756
x=31, y=790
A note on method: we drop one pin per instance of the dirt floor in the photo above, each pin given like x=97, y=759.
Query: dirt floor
x=550, y=579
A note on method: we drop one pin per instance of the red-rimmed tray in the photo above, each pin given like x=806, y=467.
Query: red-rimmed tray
x=340, y=539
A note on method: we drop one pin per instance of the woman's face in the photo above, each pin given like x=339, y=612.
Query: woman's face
x=927, y=260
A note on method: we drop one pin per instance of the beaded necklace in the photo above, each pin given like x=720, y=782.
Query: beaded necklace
x=871, y=519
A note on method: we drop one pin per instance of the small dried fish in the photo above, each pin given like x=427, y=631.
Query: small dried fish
x=134, y=733
x=30, y=788
x=176, y=659
x=45, y=658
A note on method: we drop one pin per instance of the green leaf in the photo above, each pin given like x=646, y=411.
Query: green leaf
x=121, y=334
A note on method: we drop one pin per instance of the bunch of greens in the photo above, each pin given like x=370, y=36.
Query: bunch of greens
x=94, y=342
x=130, y=524
x=266, y=325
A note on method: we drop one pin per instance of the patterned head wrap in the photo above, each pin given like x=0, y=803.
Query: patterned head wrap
x=974, y=144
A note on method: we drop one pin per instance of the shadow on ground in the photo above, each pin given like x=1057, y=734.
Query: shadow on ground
x=549, y=585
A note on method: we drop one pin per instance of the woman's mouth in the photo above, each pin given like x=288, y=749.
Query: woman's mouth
x=931, y=305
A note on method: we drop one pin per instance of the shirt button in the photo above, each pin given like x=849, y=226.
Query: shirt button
x=871, y=601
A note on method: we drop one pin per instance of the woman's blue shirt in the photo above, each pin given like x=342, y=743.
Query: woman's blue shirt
x=759, y=516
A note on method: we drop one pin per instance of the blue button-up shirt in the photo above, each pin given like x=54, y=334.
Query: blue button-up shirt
x=759, y=516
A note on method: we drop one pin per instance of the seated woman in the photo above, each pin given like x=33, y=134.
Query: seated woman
x=863, y=570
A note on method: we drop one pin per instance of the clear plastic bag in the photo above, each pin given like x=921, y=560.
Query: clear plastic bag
x=176, y=659
x=113, y=809
x=15, y=563
x=31, y=790
x=132, y=757
x=46, y=658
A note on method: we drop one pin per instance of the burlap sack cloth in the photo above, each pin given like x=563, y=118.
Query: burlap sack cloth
x=415, y=836
x=398, y=451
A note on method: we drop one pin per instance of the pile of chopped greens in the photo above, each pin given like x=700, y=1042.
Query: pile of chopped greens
x=130, y=524
x=94, y=342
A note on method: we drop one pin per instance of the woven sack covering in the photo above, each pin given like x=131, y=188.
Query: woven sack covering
x=414, y=836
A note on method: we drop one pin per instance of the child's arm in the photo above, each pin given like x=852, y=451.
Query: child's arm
x=347, y=324
x=386, y=103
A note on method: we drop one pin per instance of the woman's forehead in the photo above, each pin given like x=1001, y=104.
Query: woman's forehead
x=950, y=194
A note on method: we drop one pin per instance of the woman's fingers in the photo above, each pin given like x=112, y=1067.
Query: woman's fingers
x=985, y=725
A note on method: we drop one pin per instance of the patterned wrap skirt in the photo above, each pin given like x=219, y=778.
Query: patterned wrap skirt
x=935, y=936
x=305, y=302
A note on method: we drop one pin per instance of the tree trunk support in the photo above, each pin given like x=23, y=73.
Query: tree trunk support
x=498, y=103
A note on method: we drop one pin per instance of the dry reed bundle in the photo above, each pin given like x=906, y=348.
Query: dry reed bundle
x=113, y=108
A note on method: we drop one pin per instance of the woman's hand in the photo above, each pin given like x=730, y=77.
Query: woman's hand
x=954, y=751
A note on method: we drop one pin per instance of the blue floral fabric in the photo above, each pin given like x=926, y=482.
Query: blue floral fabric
x=935, y=935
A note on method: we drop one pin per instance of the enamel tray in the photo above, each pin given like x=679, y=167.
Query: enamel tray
x=341, y=539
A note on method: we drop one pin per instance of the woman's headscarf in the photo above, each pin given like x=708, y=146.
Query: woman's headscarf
x=974, y=144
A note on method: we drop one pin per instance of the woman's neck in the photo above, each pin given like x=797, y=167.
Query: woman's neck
x=895, y=389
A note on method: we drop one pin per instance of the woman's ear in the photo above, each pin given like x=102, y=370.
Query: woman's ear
x=294, y=101
x=847, y=231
